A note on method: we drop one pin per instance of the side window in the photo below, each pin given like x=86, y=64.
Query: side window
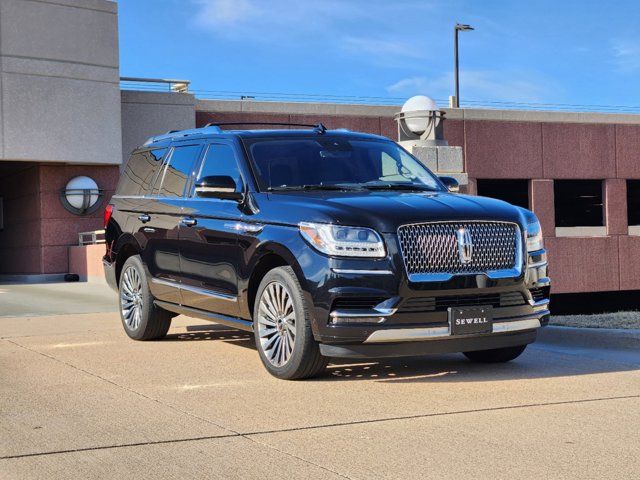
x=177, y=171
x=220, y=160
x=140, y=172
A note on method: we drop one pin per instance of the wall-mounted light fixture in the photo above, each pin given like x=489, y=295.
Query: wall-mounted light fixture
x=81, y=196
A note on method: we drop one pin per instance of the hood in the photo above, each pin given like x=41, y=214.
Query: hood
x=383, y=211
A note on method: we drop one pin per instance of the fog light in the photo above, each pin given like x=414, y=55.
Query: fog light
x=355, y=320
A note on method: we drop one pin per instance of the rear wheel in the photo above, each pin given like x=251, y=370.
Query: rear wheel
x=496, y=355
x=141, y=318
x=282, y=328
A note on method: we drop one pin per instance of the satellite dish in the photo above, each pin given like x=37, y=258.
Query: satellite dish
x=419, y=103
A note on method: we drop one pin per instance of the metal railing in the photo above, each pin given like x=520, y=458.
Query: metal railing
x=155, y=84
x=91, y=238
x=184, y=86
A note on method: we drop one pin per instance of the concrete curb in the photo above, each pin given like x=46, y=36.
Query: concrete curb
x=34, y=278
x=603, y=338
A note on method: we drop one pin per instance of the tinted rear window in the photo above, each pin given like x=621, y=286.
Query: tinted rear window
x=140, y=172
x=178, y=169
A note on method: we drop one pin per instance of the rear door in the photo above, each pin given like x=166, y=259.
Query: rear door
x=135, y=205
x=162, y=218
x=209, y=250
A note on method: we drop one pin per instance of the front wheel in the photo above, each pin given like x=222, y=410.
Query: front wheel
x=282, y=328
x=496, y=355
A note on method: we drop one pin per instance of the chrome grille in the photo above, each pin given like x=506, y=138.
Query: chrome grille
x=431, y=252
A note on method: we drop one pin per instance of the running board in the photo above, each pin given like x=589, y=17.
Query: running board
x=234, y=322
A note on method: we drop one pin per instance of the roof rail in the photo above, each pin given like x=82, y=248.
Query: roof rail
x=183, y=133
x=318, y=127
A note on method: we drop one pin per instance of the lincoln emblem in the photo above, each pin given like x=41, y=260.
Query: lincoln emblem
x=465, y=245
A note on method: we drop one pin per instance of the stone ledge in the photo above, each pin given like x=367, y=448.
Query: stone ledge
x=157, y=98
x=581, y=231
x=256, y=106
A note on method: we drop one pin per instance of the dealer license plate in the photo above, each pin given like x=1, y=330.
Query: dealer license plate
x=471, y=320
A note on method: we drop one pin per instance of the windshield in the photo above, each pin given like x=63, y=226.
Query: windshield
x=336, y=163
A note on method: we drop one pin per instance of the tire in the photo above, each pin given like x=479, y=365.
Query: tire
x=141, y=318
x=497, y=355
x=281, y=317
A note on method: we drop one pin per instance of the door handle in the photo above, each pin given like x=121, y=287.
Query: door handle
x=189, y=222
x=244, y=227
x=144, y=218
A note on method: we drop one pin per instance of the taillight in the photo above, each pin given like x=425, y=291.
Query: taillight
x=107, y=215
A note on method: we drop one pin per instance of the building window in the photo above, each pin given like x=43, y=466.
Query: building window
x=578, y=203
x=515, y=192
x=633, y=202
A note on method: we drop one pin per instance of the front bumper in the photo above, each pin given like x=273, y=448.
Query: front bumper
x=410, y=340
x=439, y=346
x=412, y=318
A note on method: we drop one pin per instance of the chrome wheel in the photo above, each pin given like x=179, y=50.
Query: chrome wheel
x=131, y=301
x=276, y=324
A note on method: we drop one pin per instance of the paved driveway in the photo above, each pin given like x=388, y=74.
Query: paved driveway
x=78, y=399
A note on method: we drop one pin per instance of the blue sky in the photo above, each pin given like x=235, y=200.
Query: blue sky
x=559, y=52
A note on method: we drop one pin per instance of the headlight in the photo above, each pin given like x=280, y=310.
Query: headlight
x=343, y=241
x=534, y=236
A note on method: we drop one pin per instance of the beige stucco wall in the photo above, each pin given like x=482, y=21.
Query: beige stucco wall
x=145, y=114
x=59, y=81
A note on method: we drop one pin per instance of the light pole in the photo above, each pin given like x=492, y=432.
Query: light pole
x=460, y=27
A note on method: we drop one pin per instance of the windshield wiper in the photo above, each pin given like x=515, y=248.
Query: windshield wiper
x=399, y=186
x=313, y=187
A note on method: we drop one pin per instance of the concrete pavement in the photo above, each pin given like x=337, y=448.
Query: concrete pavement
x=24, y=300
x=78, y=399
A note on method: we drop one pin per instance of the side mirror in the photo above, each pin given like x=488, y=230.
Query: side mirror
x=223, y=187
x=451, y=183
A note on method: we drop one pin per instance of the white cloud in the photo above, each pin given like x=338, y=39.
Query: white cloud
x=355, y=28
x=376, y=46
x=411, y=85
x=626, y=55
x=224, y=13
x=477, y=85
x=269, y=19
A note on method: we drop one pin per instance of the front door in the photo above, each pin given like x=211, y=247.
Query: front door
x=209, y=249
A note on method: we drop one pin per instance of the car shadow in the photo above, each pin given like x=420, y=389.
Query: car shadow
x=538, y=361
x=214, y=332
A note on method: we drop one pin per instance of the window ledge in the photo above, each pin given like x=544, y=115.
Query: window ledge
x=581, y=231
x=634, y=230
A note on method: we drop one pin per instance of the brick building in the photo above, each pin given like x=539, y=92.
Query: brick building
x=64, y=113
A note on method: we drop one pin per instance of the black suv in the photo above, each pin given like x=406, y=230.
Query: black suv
x=324, y=243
